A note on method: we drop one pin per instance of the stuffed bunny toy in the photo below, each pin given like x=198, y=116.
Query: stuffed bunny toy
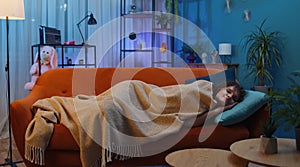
x=48, y=61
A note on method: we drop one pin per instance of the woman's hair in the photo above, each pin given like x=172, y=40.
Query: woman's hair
x=239, y=89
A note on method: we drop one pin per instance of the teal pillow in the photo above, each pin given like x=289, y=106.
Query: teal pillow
x=253, y=100
x=217, y=78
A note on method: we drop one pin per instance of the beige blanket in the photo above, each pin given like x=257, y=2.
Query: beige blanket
x=119, y=121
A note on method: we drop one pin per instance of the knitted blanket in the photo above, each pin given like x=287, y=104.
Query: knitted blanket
x=118, y=122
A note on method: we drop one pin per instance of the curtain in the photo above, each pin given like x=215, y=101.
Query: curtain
x=60, y=14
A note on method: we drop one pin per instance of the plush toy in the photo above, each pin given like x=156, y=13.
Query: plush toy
x=48, y=61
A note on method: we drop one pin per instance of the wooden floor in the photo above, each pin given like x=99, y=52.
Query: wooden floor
x=4, y=153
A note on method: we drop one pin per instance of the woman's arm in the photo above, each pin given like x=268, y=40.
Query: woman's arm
x=211, y=113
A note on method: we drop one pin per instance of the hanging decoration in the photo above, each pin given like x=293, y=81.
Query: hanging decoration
x=228, y=6
x=246, y=15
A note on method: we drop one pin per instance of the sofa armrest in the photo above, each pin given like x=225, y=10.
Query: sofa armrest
x=21, y=116
x=253, y=123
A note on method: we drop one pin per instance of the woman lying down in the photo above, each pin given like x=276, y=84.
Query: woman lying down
x=127, y=118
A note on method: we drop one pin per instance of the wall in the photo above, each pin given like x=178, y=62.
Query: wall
x=281, y=16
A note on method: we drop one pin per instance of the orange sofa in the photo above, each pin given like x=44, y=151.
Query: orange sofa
x=63, y=150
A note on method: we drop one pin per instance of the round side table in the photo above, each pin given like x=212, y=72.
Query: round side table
x=249, y=150
x=204, y=157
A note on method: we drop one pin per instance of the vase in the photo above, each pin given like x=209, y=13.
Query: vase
x=297, y=136
x=191, y=58
x=203, y=57
x=268, y=145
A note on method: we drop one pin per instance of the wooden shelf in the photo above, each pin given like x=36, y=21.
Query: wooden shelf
x=138, y=15
x=218, y=65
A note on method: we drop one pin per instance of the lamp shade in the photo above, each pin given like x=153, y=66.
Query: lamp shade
x=92, y=20
x=224, y=49
x=12, y=9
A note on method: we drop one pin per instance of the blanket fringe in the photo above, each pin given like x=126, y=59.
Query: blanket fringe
x=117, y=152
x=126, y=152
x=34, y=154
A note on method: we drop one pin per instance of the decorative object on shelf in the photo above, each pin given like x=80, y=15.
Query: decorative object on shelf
x=191, y=58
x=246, y=15
x=187, y=50
x=132, y=36
x=286, y=104
x=215, y=57
x=268, y=142
x=10, y=10
x=225, y=51
x=163, y=47
x=91, y=21
x=49, y=35
x=163, y=19
x=204, y=58
x=69, y=61
x=133, y=8
x=80, y=61
x=263, y=52
x=141, y=44
x=47, y=60
x=72, y=42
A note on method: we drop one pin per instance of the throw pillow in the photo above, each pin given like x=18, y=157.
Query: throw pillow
x=217, y=78
x=253, y=100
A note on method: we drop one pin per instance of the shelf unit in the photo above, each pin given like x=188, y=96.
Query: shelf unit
x=222, y=66
x=149, y=36
x=61, y=49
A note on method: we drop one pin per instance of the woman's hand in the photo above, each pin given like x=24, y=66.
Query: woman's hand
x=211, y=113
x=229, y=106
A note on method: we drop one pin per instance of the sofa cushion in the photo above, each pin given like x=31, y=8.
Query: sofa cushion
x=217, y=78
x=253, y=100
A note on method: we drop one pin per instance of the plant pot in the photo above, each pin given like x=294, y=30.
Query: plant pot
x=263, y=89
x=268, y=145
x=164, y=26
x=297, y=136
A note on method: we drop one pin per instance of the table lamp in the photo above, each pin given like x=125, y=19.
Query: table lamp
x=91, y=21
x=225, y=50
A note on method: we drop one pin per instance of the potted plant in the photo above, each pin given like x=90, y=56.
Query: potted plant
x=268, y=143
x=163, y=19
x=287, y=106
x=263, y=52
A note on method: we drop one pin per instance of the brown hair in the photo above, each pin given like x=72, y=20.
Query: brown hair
x=239, y=89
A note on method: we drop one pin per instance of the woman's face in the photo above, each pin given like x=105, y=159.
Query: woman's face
x=225, y=96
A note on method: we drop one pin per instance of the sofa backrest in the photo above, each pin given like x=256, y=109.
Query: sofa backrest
x=93, y=81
